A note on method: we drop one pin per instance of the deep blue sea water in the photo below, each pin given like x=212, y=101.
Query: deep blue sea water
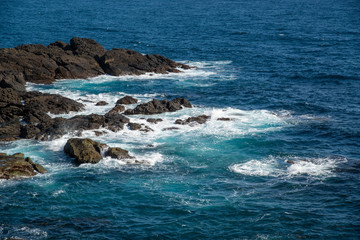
x=286, y=72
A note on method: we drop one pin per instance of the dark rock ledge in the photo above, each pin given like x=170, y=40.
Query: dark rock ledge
x=82, y=58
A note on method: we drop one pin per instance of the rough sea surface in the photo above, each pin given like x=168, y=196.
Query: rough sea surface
x=286, y=72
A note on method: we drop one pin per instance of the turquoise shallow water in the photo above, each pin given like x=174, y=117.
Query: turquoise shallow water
x=286, y=73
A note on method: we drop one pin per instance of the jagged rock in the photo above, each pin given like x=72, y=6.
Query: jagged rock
x=199, y=119
x=155, y=106
x=127, y=100
x=118, y=62
x=16, y=167
x=117, y=109
x=134, y=126
x=101, y=103
x=10, y=131
x=153, y=120
x=83, y=58
x=115, y=121
x=84, y=150
x=118, y=153
x=52, y=103
x=86, y=46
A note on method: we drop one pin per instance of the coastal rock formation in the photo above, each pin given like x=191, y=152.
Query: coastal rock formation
x=117, y=109
x=82, y=58
x=16, y=166
x=84, y=150
x=199, y=119
x=118, y=62
x=127, y=100
x=118, y=153
x=155, y=106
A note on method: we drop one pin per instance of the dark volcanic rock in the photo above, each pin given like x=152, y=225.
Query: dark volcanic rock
x=86, y=46
x=117, y=109
x=16, y=167
x=10, y=131
x=83, y=58
x=134, y=126
x=52, y=103
x=155, y=106
x=153, y=120
x=199, y=119
x=84, y=150
x=128, y=62
x=118, y=153
x=127, y=100
x=101, y=103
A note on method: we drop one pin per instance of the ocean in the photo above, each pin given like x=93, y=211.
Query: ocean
x=287, y=74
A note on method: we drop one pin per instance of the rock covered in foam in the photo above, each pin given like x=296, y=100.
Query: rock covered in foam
x=16, y=166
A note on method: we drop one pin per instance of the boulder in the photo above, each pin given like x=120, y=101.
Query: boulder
x=127, y=100
x=156, y=107
x=84, y=150
x=17, y=167
x=118, y=153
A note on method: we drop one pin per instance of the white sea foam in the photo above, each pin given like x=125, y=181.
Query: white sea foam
x=289, y=167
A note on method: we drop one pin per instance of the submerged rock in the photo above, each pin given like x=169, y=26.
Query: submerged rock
x=84, y=150
x=17, y=167
x=156, y=107
x=153, y=120
x=101, y=103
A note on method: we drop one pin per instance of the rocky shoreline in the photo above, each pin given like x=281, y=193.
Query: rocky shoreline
x=25, y=115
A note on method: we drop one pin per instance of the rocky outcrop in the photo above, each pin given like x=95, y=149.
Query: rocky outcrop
x=156, y=107
x=52, y=103
x=118, y=153
x=127, y=100
x=16, y=166
x=84, y=150
x=199, y=119
x=82, y=58
x=128, y=62
x=117, y=109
